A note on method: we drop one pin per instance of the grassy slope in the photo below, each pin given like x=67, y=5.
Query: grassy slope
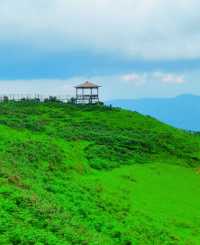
x=95, y=175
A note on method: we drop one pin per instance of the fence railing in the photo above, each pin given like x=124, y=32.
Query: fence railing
x=39, y=97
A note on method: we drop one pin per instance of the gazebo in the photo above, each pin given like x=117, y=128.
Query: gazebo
x=87, y=93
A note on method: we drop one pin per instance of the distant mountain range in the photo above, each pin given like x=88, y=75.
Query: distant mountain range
x=182, y=111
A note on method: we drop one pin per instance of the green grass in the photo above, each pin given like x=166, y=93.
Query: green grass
x=95, y=175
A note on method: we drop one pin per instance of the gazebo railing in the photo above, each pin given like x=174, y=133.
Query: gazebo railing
x=87, y=96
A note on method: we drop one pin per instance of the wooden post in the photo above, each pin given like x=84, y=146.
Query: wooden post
x=90, y=95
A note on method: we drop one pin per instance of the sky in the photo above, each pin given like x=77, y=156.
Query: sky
x=132, y=48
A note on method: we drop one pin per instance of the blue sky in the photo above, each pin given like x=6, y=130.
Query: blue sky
x=133, y=48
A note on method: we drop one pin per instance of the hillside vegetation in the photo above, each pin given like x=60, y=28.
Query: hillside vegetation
x=72, y=174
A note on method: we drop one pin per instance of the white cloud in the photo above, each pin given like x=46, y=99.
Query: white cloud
x=169, y=78
x=37, y=86
x=134, y=79
x=149, y=29
x=162, y=77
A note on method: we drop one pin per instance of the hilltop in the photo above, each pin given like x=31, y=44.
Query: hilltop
x=91, y=174
x=181, y=111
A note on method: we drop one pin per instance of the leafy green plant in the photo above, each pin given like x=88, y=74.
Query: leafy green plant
x=91, y=174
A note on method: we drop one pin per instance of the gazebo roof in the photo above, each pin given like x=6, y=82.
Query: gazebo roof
x=87, y=84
